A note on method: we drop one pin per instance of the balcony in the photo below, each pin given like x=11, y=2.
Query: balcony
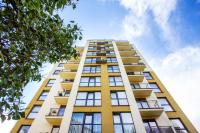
x=101, y=54
x=68, y=74
x=124, y=48
x=67, y=84
x=62, y=97
x=71, y=66
x=134, y=59
x=129, y=53
x=141, y=90
x=55, y=116
x=130, y=67
x=135, y=76
x=159, y=129
x=149, y=108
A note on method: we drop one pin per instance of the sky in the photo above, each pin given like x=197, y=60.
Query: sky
x=166, y=32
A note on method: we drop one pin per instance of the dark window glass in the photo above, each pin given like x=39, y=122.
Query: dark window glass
x=154, y=87
x=85, y=123
x=88, y=99
x=91, y=69
x=123, y=123
x=24, y=129
x=178, y=126
x=50, y=82
x=119, y=98
x=43, y=95
x=55, y=129
x=151, y=126
x=165, y=104
x=90, y=81
x=111, y=60
x=56, y=72
x=61, y=65
x=34, y=112
x=115, y=81
x=113, y=69
x=147, y=75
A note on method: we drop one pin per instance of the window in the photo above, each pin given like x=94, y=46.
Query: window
x=34, y=112
x=110, y=53
x=85, y=123
x=111, y=60
x=43, y=95
x=90, y=81
x=56, y=72
x=61, y=65
x=91, y=69
x=123, y=123
x=135, y=86
x=113, y=69
x=165, y=104
x=151, y=126
x=115, y=81
x=90, y=60
x=55, y=129
x=91, y=48
x=91, y=53
x=178, y=126
x=147, y=75
x=50, y=83
x=88, y=99
x=24, y=129
x=119, y=98
x=61, y=110
x=154, y=87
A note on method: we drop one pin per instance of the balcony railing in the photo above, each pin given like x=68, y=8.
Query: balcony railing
x=56, y=112
x=159, y=129
x=135, y=73
x=140, y=86
x=101, y=54
x=68, y=81
x=140, y=63
x=150, y=104
x=65, y=70
x=63, y=93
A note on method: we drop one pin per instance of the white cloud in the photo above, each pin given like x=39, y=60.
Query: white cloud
x=136, y=22
x=180, y=72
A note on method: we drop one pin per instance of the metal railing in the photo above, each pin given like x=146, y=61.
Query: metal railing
x=149, y=104
x=56, y=112
x=134, y=73
x=159, y=129
x=68, y=81
x=63, y=93
x=134, y=64
x=140, y=86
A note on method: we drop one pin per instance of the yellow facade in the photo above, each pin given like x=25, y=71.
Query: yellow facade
x=131, y=67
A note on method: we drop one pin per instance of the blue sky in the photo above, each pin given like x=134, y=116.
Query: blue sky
x=167, y=33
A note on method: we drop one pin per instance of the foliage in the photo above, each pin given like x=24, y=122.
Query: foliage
x=31, y=33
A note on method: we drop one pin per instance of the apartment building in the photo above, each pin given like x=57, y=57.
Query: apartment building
x=109, y=88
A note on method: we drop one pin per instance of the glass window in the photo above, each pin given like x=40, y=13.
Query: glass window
x=55, y=129
x=135, y=86
x=43, y=95
x=34, y=112
x=24, y=129
x=154, y=87
x=123, y=123
x=115, y=81
x=88, y=99
x=113, y=69
x=85, y=123
x=91, y=53
x=91, y=69
x=90, y=81
x=178, y=126
x=56, y=72
x=61, y=65
x=110, y=53
x=147, y=75
x=119, y=98
x=111, y=60
x=50, y=82
x=165, y=104
x=91, y=48
x=90, y=60
x=61, y=111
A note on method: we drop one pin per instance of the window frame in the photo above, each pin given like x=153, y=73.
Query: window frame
x=92, y=60
x=111, y=60
x=87, y=99
x=118, y=99
x=56, y=72
x=22, y=126
x=83, y=124
x=50, y=84
x=155, y=89
x=41, y=95
x=165, y=105
x=97, y=69
x=148, y=76
x=114, y=81
x=55, y=127
x=113, y=69
x=96, y=84
x=31, y=112
x=178, y=128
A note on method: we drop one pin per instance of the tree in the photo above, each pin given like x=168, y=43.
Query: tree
x=31, y=33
